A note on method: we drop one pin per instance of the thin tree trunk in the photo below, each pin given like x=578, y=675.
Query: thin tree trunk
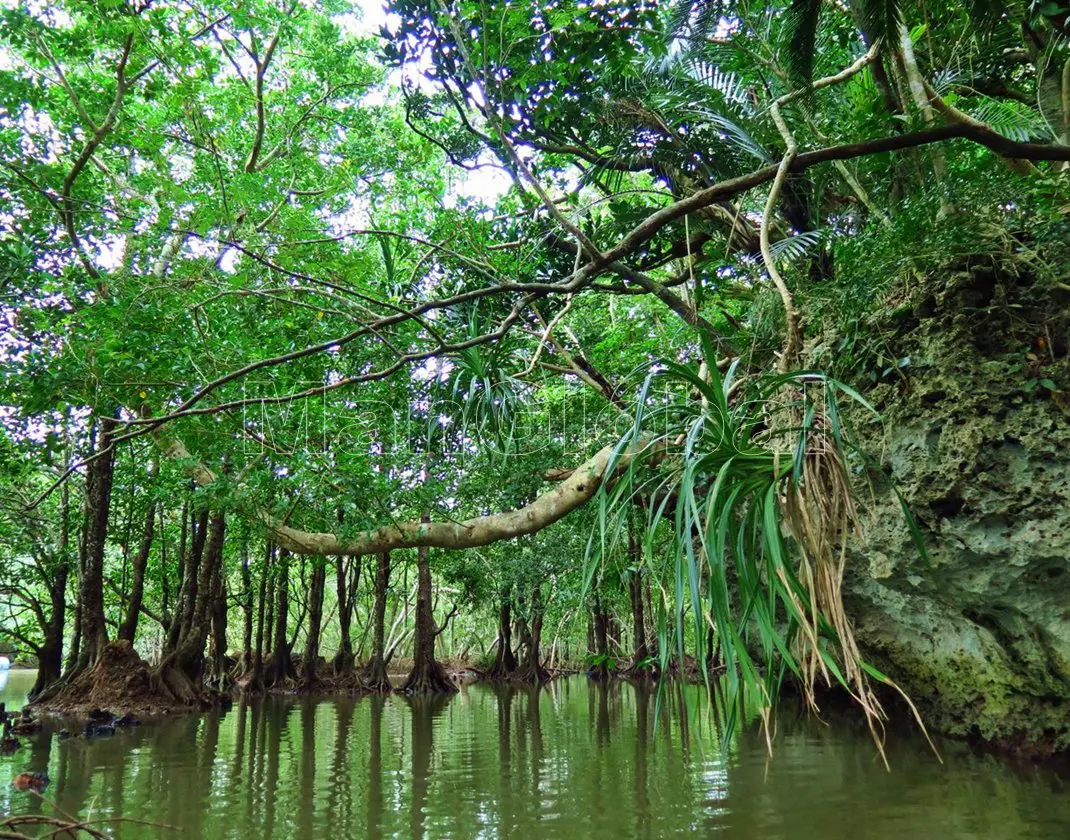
x=505, y=661
x=218, y=607
x=315, y=620
x=269, y=620
x=128, y=629
x=530, y=669
x=376, y=671
x=642, y=649
x=346, y=591
x=50, y=653
x=99, y=481
x=256, y=678
x=641, y=652
x=190, y=652
x=282, y=665
x=600, y=670
x=247, y=610
x=187, y=593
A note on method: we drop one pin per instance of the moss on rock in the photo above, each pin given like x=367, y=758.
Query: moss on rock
x=978, y=635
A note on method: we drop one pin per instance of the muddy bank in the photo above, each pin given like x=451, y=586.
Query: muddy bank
x=120, y=682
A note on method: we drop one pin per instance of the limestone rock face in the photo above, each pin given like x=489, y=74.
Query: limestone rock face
x=977, y=442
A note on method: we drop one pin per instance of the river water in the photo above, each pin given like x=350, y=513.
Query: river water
x=573, y=760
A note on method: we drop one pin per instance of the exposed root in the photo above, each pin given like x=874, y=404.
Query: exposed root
x=376, y=679
x=123, y=682
x=821, y=508
x=530, y=674
x=350, y=682
x=498, y=672
x=428, y=678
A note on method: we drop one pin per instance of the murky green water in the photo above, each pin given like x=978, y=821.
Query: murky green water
x=574, y=760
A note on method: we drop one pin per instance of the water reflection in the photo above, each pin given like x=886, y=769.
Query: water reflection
x=574, y=759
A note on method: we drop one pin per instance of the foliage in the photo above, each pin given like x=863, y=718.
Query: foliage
x=364, y=278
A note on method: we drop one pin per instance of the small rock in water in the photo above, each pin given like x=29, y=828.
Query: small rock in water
x=97, y=730
x=127, y=720
x=31, y=781
x=25, y=724
x=101, y=716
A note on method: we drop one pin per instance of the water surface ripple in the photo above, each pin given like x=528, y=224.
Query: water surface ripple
x=574, y=760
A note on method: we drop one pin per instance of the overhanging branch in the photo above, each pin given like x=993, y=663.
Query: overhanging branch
x=553, y=505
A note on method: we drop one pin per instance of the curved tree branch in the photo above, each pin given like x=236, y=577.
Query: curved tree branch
x=553, y=505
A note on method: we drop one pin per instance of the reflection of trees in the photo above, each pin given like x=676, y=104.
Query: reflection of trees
x=425, y=708
x=40, y=753
x=642, y=783
x=618, y=772
x=601, y=690
x=376, y=703
x=503, y=695
x=533, y=718
x=274, y=722
x=339, y=807
x=306, y=809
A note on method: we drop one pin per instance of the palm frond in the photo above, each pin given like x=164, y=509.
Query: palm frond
x=694, y=18
x=881, y=19
x=1014, y=120
x=793, y=247
x=801, y=26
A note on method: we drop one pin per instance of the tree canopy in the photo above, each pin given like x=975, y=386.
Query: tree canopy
x=447, y=283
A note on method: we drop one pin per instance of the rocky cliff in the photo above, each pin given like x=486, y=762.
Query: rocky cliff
x=976, y=436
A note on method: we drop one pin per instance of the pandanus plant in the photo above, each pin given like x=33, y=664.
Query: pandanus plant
x=747, y=481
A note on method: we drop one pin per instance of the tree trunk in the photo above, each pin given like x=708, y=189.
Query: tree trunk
x=315, y=619
x=346, y=590
x=128, y=629
x=269, y=620
x=504, y=661
x=642, y=649
x=50, y=653
x=255, y=682
x=218, y=608
x=187, y=593
x=427, y=675
x=190, y=652
x=531, y=670
x=94, y=635
x=600, y=668
x=376, y=671
x=282, y=665
x=247, y=611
